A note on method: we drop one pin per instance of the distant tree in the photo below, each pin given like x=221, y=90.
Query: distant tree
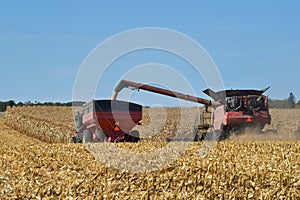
x=2, y=106
x=57, y=104
x=77, y=103
x=292, y=100
x=276, y=103
x=68, y=104
x=27, y=103
x=20, y=104
x=37, y=103
x=11, y=103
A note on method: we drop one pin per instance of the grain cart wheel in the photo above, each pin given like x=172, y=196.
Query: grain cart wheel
x=100, y=135
x=80, y=137
x=87, y=136
x=74, y=140
x=135, y=135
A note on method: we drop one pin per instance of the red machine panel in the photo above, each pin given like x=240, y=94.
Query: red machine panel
x=115, y=118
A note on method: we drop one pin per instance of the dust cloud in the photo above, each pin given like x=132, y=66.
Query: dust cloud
x=266, y=135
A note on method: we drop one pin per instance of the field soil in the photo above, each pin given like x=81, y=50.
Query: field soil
x=241, y=169
x=1, y=115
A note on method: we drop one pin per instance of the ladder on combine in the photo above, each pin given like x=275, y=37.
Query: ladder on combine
x=204, y=120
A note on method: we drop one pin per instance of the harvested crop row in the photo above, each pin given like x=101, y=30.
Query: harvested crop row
x=158, y=123
x=242, y=170
x=56, y=124
x=254, y=170
x=285, y=120
x=44, y=126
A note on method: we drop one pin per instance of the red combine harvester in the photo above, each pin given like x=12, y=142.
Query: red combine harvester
x=241, y=109
x=233, y=110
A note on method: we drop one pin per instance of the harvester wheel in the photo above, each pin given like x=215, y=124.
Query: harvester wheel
x=100, y=135
x=79, y=137
x=199, y=136
x=87, y=136
x=74, y=140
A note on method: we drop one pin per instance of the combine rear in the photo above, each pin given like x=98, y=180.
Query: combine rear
x=240, y=109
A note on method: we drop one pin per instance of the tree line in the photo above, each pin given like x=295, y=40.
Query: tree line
x=11, y=103
x=289, y=102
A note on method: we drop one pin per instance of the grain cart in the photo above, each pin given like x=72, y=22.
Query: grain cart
x=107, y=121
x=233, y=110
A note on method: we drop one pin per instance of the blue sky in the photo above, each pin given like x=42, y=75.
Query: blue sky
x=254, y=44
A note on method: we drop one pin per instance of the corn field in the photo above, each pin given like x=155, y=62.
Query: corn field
x=49, y=124
x=37, y=161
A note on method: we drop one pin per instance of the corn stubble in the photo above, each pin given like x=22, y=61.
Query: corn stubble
x=48, y=124
x=233, y=169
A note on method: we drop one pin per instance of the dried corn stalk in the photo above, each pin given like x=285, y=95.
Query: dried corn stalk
x=49, y=124
x=233, y=170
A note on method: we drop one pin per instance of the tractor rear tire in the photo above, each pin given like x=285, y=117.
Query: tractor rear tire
x=79, y=137
x=135, y=135
x=74, y=140
x=87, y=136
